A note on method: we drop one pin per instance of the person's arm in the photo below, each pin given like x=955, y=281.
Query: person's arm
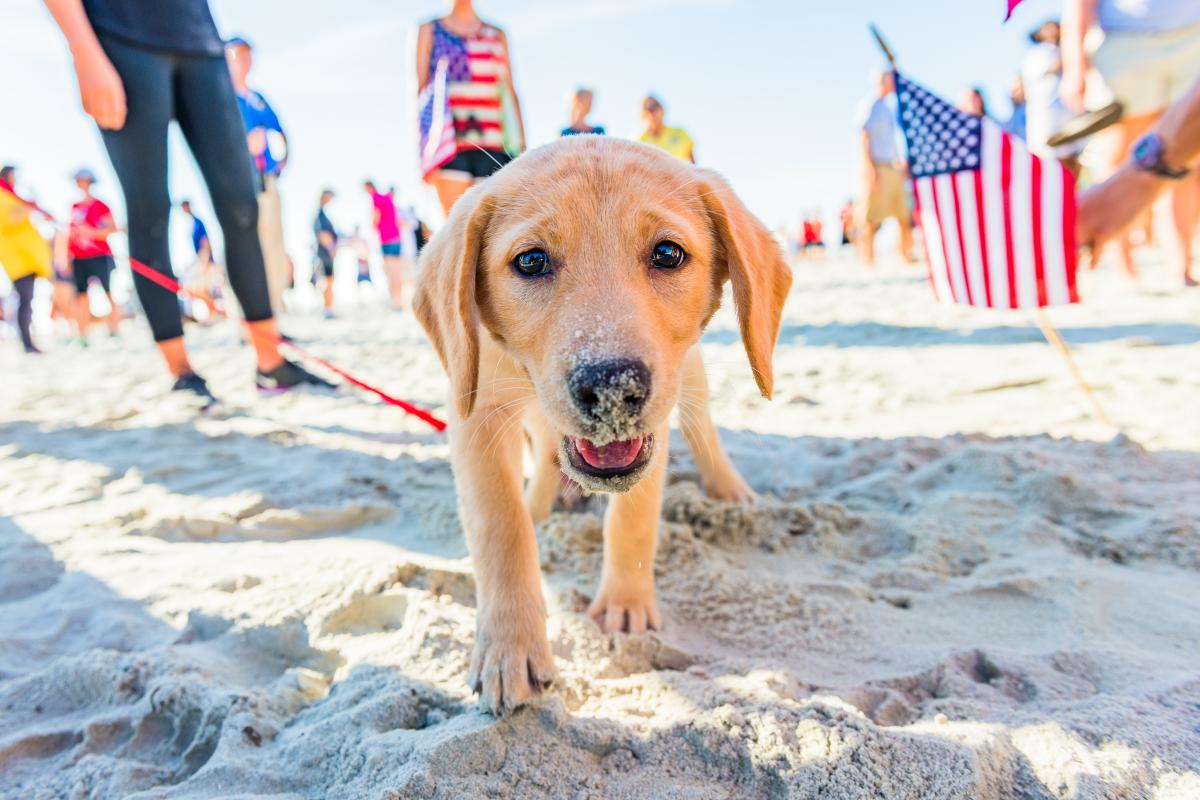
x=101, y=230
x=512, y=89
x=1107, y=209
x=1078, y=18
x=424, y=51
x=100, y=87
x=868, y=164
x=327, y=240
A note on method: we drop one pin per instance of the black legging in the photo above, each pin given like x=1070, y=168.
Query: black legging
x=24, y=288
x=197, y=92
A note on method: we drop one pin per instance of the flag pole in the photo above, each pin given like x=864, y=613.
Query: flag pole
x=1055, y=340
x=883, y=45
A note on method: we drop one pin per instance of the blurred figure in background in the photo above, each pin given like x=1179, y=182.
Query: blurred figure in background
x=268, y=152
x=812, y=236
x=362, y=254
x=581, y=106
x=387, y=225
x=91, y=257
x=972, y=102
x=1149, y=58
x=327, y=242
x=846, y=218
x=202, y=277
x=1016, y=122
x=1045, y=111
x=469, y=112
x=24, y=253
x=655, y=131
x=62, y=302
x=884, y=173
x=139, y=66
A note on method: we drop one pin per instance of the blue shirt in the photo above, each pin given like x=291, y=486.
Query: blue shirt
x=257, y=113
x=879, y=123
x=199, y=233
x=1016, y=122
x=596, y=129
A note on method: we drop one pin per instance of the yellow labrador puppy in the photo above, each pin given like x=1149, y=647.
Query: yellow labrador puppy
x=566, y=297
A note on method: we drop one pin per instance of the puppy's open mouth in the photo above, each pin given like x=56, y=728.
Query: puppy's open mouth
x=608, y=461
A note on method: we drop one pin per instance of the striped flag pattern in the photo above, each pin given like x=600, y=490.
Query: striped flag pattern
x=999, y=222
x=437, y=141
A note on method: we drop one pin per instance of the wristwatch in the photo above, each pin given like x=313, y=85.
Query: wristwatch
x=1148, y=156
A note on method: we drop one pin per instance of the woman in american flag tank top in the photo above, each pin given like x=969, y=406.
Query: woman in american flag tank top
x=470, y=118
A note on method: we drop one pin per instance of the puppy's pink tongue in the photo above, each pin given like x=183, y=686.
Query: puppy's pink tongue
x=614, y=455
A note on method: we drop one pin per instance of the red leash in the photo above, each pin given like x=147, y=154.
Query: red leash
x=174, y=287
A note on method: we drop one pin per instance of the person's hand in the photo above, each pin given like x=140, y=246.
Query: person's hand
x=1105, y=210
x=101, y=90
x=1072, y=89
x=257, y=141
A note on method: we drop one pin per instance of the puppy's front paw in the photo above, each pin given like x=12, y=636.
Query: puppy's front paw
x=625, y=609
x=512, y=660
x=729, y=487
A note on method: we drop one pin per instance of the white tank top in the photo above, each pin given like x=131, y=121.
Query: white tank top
x=1148, y=16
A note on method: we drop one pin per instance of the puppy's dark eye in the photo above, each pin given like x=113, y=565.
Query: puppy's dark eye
x=667, y=255
x=532, y=263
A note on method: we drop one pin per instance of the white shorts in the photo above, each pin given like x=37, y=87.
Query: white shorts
x=1145, y=72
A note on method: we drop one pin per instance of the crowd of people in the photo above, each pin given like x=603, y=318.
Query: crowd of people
x=140, y=67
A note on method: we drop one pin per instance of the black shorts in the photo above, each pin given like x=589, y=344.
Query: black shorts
x=477, y=163
x=98, y=267
x=325, y=258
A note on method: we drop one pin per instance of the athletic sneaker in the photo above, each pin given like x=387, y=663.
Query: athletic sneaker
x=288, y=375
x=195, y=385
x=1087, y=124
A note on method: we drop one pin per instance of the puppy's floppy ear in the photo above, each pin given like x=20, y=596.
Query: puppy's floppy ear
x=444, y=295
x=756, y=268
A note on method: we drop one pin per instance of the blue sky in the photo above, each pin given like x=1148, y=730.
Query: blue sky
x=767, y=88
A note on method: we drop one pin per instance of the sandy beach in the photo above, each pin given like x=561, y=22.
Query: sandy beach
x=956, y=584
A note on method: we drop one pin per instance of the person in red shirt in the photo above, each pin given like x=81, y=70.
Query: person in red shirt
x=91, y=257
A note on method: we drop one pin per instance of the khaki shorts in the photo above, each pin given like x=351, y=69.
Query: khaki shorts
x=1145, y=72
x=887, y=199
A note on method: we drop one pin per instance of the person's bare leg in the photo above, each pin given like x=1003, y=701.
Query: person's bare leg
x=1118, y=143
x=394, y=269
x=906, y=242
x=113, y=318
x=328, y=293
x=175, y=354
x=449, y=188
x=83, y=314
x=866, y=249
x=264, y=337
x=1184, y=208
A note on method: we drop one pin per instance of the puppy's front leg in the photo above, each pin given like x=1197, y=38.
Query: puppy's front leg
x=626, y=600
x=721, y=479
x=512, y=658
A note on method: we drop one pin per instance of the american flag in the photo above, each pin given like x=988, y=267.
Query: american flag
x=999, y=222
x=436, y=122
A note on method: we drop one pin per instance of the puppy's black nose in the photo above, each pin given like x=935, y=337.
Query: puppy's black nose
x=609, y=390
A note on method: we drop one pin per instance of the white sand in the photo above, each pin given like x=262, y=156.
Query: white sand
x=958, y=586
